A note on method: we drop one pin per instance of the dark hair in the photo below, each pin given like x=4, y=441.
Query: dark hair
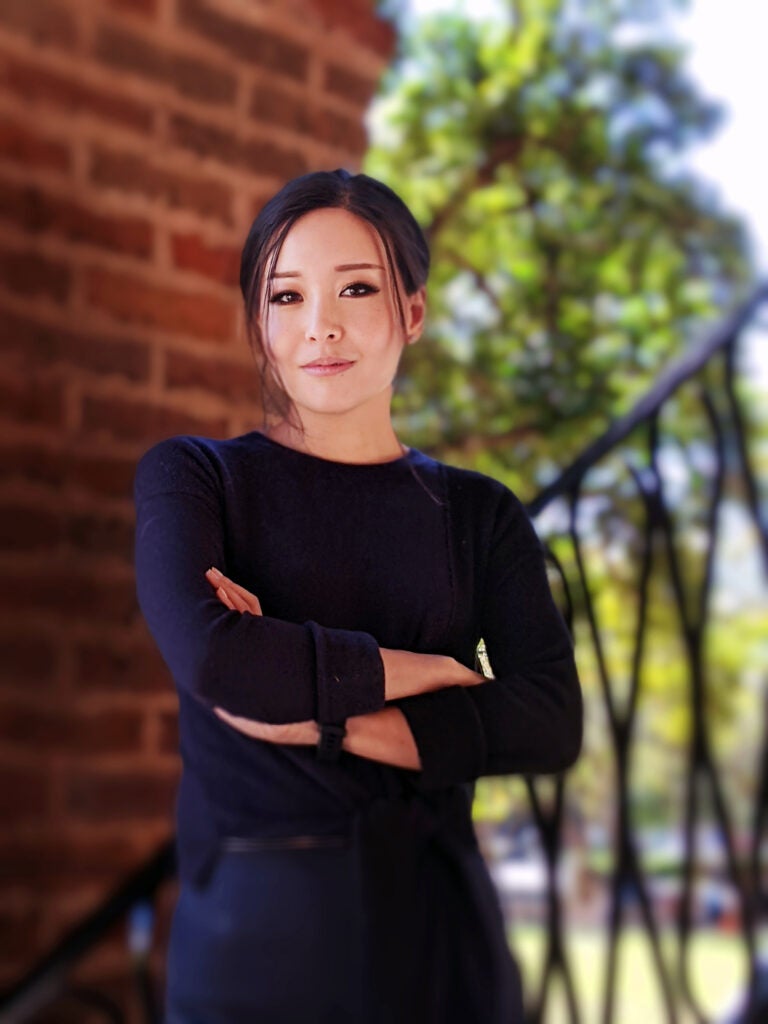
x=404, y=245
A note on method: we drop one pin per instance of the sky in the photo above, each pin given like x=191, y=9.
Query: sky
x=728, y=57
x=727, y=44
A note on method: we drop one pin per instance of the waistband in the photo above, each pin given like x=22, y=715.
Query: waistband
x=268, y=844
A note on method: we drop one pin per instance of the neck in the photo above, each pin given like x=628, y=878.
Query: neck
x=339, y=438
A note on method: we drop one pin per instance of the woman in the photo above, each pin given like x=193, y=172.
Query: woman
x=318, y=591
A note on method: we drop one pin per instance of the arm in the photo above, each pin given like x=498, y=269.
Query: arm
x=253, y=665
x=527, y=719
x=405, y=672
x=382, y=736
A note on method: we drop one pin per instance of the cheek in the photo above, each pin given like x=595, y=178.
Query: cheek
x=376, y=318
x=276, y=333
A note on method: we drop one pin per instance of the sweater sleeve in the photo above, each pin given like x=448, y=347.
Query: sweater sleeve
x=255, y=666
x=528, y=718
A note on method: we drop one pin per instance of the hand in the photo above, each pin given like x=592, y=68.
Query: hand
x=232, y=595
x=407, y=673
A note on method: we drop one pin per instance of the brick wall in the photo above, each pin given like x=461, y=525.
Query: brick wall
x=137, y=140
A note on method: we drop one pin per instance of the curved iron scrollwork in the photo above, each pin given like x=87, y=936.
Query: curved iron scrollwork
x=671, y=543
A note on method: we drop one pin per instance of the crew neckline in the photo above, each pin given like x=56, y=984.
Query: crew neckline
x=409, y=455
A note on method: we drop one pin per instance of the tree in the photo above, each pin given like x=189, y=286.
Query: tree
x=571, y=255
x=572, y=259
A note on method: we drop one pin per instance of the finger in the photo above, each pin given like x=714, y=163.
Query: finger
x=251, y=601
x=215, y=577
x=244, y=599
x=235, y=600
x=225, y=599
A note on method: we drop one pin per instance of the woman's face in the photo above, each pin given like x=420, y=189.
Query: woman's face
x=331, y=327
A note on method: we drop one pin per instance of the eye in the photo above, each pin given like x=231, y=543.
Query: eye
x=286, y=298
x=359, y=288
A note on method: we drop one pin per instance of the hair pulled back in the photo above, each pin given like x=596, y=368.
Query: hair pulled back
x=404, y=245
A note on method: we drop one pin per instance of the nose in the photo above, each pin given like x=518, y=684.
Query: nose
x=322, y=325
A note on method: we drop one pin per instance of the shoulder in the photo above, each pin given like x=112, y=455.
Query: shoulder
x=485, y=507
x=468, y=489
x=188, y=464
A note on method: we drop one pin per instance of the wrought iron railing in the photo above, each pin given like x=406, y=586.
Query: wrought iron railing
x=588, y=520
x=571, y=513
x=48, y=983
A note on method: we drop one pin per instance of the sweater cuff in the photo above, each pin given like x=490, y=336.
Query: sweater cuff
x=449, y=736
x=349, y=673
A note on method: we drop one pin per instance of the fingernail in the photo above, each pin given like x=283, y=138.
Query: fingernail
x=214, y=573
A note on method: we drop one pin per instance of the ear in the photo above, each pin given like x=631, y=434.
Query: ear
x=415, y=308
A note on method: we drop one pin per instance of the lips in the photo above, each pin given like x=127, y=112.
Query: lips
x=327, y=367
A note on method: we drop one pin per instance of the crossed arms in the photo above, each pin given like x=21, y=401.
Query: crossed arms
x=274, y=678
x=378, y=735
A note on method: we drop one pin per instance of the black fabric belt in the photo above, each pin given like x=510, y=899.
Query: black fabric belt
x=254, y=844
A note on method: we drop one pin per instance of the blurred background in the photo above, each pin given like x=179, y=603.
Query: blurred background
x=591, y=179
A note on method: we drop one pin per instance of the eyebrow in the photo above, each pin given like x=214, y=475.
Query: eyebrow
x=343, y=267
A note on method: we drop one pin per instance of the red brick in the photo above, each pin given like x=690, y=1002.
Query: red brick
x=25, y=794
x=24, y=527
x=273, y=105
x=348, y=85
x=335, y=129
x=118, y=796
x=104, y=475
x=20, y=939
x=169, y=732
x=63, y=731
x=44, y=22
x=108, y=475
x=42, y=344
x=133, y=174
x=113, y=668
x=219, y=262
x=28, y=461
x=138, y=421
x=276, y=106
x=34, y=210
x=63, y=92
x=32, y=400
x=107, y=971
x=100, y=534
x=134, y=300
x=146, y=8
x=26, y=660
x=231, y=380
x=258, y=204
x=22, y=146
x=55, y=863
x=357, y=19
x=29, y=273
x=125, y=51
x=258, y=156
x=70, y=594
x=250, y=43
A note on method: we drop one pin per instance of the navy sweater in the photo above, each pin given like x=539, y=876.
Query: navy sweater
x=344, y=558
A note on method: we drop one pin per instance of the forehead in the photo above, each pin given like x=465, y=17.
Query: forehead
x=332, y=235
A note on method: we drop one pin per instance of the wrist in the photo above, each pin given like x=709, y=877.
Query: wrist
x=330, y=739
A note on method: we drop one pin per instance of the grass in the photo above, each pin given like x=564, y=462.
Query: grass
x=718, y=966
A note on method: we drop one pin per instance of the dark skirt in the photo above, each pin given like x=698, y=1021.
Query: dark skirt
x=352, y=934
x=274, y=938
